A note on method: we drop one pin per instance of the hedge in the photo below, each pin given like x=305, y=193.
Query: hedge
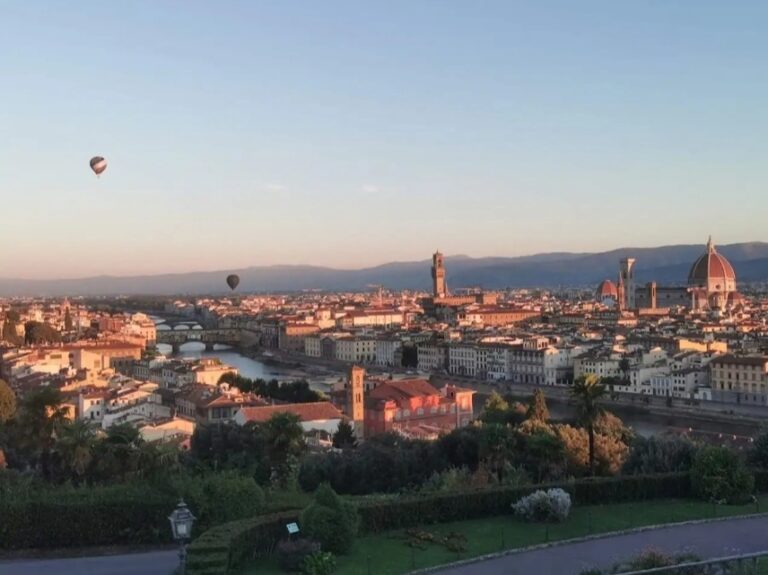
x=222, y=549
x=409, y=511
x=74, y=521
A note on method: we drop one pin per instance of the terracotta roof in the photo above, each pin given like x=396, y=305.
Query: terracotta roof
x=305, y=411
x=711, y=265
x=607, y=289
x=403, y=389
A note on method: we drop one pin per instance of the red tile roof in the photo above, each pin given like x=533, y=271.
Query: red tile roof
x=403, y=389
x=305, y=411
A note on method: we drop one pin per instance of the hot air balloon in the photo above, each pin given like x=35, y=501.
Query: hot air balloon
x=98, y=165
x=232, y=281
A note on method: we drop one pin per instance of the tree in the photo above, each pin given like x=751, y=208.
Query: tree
x=587, y=391
x=7, y=402
x=495, y=443
x=344, y=438
x=75, y=448
x=545, y=456
x=624, y=367
x=67, y=320
x=757, y=456
x=495, y=411
x=410, y=356
x=719, y=474
x=330, y=520
x=537, y=409
x=659, y=455
x=38, y=333
x=285, y=443
x=41, y=420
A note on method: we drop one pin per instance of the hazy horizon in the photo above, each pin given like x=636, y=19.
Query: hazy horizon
x=347, y=135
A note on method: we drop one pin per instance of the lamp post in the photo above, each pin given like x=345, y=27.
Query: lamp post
x=181, y=525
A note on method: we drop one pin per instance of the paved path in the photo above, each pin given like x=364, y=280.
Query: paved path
x=707, y=540
x=152, y=563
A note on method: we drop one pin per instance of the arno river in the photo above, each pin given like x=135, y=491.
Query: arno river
x=643, y=424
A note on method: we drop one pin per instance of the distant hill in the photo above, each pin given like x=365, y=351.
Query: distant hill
x=666, y=265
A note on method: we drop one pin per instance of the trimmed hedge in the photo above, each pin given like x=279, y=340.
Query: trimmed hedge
x=71, y=520
x=224, y=548
x=409, y=511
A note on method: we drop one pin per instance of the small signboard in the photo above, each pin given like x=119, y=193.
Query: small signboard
x=292, y=528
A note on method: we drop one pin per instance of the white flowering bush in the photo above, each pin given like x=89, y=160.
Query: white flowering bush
x=551, y=505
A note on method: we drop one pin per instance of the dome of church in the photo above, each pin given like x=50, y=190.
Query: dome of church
x=607, y=289
x=712, y=271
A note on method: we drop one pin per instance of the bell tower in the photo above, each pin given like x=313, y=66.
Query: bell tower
x=438, y=275
x=627, y=277
x=356, y=399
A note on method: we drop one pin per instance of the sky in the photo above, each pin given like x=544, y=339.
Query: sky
x=348, y=133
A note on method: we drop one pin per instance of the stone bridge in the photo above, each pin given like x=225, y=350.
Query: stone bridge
x=210, y=337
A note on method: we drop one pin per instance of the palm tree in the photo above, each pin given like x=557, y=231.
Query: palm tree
x=285, y=442
x=588, y=391
x=75, y=446
x=41, y=419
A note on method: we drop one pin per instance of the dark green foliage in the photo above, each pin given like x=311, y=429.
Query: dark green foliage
x=410, y=510
x=219, y=497
x=410, y=356
x=344, y=438
x=544, y=456
x=38, y=333
x=659, y=455
x=382, y=464
x=289, y=392
x=319, y=564
x=126, y=514
x=330, y=520
x=231, y=446
x=37, y=515
x=67, y=320
x=719, y=474
x=227, y=546
x=9, y=329
x=292, y=552
x=757, y=456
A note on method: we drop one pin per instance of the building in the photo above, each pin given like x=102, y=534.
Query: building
x=712, y=280
x=607, y=294
x=439, y=289
x=356, y=349
x=739, y=379
x=388, y=351
x=432, y=357
x=291, y=335
x=208, y=370
x=319, y=416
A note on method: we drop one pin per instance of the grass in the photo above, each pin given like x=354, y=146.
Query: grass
x=388, y=553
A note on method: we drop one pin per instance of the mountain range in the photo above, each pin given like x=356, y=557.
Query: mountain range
x=667, y=265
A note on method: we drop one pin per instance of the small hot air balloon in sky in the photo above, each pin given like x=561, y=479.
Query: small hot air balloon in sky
x=232, y=281
x=98, y=165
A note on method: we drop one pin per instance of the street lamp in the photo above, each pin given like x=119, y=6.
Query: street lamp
x=181, y=525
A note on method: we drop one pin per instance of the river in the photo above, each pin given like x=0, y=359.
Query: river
x=643, y=424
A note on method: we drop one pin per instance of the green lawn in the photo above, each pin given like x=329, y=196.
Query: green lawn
x=388, y=554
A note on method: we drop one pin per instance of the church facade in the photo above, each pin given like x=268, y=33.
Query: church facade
x=711, y=285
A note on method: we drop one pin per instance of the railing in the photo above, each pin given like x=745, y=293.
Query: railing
x=746, y=564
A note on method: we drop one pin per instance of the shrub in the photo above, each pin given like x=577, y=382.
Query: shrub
x=659, y=455
x=552, y=505
x=220, y=497
x=330, y=520
x=758, y=454
x=720, y=474
x=291, y=553
x=319, y=564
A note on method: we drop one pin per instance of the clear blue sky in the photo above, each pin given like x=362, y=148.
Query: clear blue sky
x=351, y=133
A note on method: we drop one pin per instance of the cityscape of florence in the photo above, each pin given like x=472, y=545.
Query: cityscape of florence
x=383, y=288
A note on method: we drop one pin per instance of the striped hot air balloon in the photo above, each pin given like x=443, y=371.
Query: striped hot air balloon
x=98, y=165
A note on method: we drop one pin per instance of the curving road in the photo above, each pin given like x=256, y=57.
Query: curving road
x=707, y=540
x=152, y=563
